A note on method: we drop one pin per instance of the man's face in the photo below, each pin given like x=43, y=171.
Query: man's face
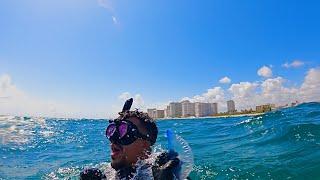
x=128, y=155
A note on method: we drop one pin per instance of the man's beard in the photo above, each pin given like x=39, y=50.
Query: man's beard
x=119, y=164
x=124, y=171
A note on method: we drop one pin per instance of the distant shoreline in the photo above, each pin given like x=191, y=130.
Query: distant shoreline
x=212, y=117
x=158, y=119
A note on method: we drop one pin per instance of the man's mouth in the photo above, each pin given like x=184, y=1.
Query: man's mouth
x=116, y=150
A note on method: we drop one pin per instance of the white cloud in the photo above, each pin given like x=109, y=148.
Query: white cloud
x=114, y=19
x=273, y=85
x=108, y=5
x=243, y=89
x=7, y=89
x=265, y=72
x=215, y=94
x=294, y=64
x=138, y=101
x=310, y=89
x=274, y=91
x=124, y=96
x=225, y=80
x=248, y=95
x=14, y=101
x=244, y=94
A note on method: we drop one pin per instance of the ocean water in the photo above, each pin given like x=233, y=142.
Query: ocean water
x=283, y=144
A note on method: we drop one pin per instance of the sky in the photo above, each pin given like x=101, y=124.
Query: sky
x=83, y=58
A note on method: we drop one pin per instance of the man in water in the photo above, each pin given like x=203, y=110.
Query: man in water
x=131, y=136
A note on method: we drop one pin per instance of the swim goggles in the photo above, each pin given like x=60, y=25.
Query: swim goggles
x=124, y=132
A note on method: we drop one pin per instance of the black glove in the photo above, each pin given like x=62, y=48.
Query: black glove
x=91, y=174
x=165, y=166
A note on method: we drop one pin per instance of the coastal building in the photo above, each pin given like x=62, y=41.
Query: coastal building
x=188, y=108
x=175, y=109
x=203, y=109
x=264, y=108
x=151, y=112
x=214, y=107
x=158, y=114
x=167, y=112
x=231, y=106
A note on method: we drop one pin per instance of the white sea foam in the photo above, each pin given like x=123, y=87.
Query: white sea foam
x=143, y=169
x=20, y=130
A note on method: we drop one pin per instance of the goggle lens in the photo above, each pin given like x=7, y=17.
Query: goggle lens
x=123, y=129
x=111, y=130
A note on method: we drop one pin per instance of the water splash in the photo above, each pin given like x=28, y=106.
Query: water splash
x=186, y=156
x=278, y=145
x=72, y=173
x=21, y=130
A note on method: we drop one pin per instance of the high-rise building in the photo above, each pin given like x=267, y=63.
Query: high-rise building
x=214, y=107
x=231, y=106
x=155, y=113
x=175, y=109
x=203, y=109
x=151, y=112
x=167, y=112
x=188, y=108
x=264, y=108
x=159, y=113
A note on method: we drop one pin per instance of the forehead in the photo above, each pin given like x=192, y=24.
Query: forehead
x=137, y=122
x=134, y=120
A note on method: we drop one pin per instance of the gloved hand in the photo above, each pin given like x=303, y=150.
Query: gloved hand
x=165, y=166
x=91, y=174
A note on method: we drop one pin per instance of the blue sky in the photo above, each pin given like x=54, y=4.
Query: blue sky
x=88, y=52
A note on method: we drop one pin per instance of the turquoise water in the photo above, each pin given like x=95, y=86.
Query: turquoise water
x=284, y=144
